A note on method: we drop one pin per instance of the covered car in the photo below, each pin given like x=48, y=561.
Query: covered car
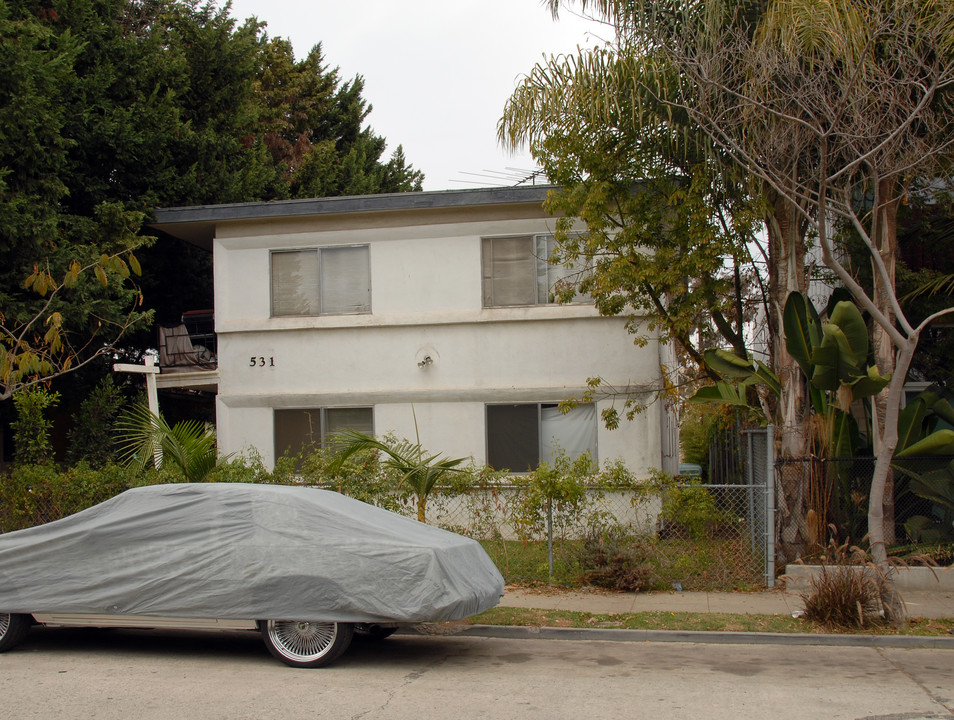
x=304, y=565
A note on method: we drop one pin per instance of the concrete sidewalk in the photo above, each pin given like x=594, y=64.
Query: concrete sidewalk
x=768, y=602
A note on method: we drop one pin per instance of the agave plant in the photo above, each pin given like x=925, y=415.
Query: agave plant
x=189, y=445
x=417, y=469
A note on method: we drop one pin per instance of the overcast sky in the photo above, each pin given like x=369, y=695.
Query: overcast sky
x=437, y=72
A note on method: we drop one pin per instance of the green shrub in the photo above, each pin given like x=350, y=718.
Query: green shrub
x=36, y=494
x=563, y=495
x=691, y=511
x=91, y=440
x=31, y=429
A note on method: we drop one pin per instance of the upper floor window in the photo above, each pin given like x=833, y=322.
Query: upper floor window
x=321, y=281
x=516, y=271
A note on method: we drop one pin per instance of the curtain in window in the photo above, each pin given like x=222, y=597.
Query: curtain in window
x=551, y=278
x=345, y=280
x=574, y=432
x=295, y=282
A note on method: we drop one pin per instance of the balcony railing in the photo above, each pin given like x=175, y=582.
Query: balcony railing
x=190, y=345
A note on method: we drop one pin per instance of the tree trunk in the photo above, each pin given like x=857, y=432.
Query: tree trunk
x=886, y=244
x=786, y=234
x=894, y=611
x=786, y=240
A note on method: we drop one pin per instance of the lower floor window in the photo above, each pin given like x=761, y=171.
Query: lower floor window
x=520, y=437
x=304, y=429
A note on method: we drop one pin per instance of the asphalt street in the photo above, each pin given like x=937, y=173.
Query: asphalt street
x=147, y=675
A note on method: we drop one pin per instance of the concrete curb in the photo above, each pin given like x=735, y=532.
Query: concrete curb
x=516, y=632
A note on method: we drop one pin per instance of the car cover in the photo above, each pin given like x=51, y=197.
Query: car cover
x=242, y=551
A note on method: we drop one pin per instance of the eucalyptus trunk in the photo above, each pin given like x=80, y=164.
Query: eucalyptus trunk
x=786, y=236
x=885, y=242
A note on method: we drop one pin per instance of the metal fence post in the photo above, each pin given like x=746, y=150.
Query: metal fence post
x=751, y=480
x=549, y=541
x=770, y=506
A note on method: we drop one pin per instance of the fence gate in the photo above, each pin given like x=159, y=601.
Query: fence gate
x=760, y=491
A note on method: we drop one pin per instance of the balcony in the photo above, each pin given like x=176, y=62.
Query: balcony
x=188, y=352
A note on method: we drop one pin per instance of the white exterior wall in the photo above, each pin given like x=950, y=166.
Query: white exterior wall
x=426, y=301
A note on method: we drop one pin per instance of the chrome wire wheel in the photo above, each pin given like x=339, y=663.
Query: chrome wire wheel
x=301, y=643
x=13, y=628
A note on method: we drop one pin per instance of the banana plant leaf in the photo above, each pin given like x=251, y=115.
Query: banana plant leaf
x=936, y=486
x=870, y=384
x=802, y=330
x=940, y=442
x=721, y=393
x=910, y=423
x=730, y=365
x=847, y=317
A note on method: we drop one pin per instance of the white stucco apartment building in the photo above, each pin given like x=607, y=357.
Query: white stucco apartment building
x=376, y=312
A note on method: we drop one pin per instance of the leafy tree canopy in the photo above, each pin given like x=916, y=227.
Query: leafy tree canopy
x=109, y=108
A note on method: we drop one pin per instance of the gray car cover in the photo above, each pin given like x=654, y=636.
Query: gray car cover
x=235, y=551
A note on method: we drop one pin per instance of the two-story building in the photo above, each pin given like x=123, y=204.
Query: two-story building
x=422, y=314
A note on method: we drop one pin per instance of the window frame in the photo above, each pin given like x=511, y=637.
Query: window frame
x=318, y=299
x=543, y=443
x=538, y=278
x=323, y=424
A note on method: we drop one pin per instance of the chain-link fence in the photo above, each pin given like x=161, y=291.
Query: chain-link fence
x=656, y=535
x=687, y=536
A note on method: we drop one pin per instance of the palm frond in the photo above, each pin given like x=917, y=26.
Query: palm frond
x=189, y=446
x=417, y=469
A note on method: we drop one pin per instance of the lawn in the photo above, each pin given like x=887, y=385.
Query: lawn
x=708, y=564
x=727, y=622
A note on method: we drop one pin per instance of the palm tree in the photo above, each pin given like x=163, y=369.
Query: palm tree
x=189, y=445
x=417, y=469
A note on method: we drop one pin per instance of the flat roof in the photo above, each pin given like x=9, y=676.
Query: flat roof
x=197, y=223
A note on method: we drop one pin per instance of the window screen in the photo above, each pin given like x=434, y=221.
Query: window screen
x=520, y=436
x=340, y=419
x=513, y=440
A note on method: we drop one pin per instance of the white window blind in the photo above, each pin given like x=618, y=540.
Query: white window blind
x=517, y=271
x=295, y=282
x=509, y=271
x=345, y=280
x=321, y=281
x=551, y=279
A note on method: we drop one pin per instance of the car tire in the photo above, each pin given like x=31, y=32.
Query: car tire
x=13, y=628
x=304, y=644
x=371, y=631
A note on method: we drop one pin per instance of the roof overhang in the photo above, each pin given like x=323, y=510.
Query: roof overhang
x=197, y=224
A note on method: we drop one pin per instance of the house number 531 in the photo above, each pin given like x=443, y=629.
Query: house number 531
x=261, y=361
